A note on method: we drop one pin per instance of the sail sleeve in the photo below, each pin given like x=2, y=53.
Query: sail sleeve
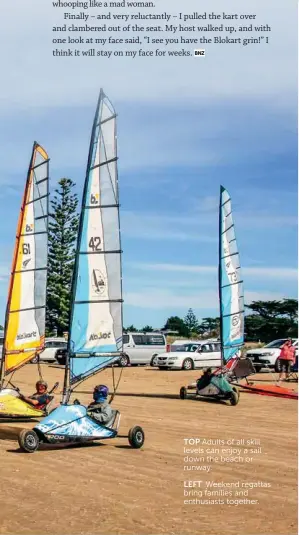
x=230, y=282
x=25, y=315
x=96, y=317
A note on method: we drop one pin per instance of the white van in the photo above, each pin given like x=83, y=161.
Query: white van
x=141, y=348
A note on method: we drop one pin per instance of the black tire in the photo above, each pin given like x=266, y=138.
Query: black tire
x=34, y=360
x=188, y=364
x=183, y=392
x=136, y=437
x=124, y=361
x=277, y=366
x=28, y=440
x=153, y=361
x=237, y=391
x=234, y=398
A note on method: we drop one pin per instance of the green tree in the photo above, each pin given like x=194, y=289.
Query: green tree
x=131, y=329
x=174, y=323
x=63, y=229
x=147, y=329
x=191, y=321
x=271, y=319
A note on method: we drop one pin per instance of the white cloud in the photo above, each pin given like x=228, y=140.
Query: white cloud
x=252, y=272
x=205, y=300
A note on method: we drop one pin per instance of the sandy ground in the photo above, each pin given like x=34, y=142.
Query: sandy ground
x=110, y=488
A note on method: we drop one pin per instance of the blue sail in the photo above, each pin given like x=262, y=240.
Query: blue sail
x=95, y=339
x=230, y=282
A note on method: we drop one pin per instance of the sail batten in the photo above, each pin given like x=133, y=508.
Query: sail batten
x=95, y=339
x=230, y=282
x=25, y=314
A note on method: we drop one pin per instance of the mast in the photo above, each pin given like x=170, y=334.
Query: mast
x=219, y=275
x=95, y=333
x=24, y=331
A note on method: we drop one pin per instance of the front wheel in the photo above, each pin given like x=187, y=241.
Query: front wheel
x=28, y=440
x=183, y=392
x=124, y=361
x=277, y=366
x=136, y=437
x=187, y=364
x=34, y=360
x=154, y=361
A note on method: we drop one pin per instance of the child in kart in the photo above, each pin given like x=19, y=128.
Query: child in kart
x=40, y=397
x=100, y=410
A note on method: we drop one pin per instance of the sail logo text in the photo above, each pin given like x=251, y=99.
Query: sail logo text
x=99, y=336
x=26, y=335
x=29, y=228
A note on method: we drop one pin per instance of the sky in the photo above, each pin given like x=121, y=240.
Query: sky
x=185, y=126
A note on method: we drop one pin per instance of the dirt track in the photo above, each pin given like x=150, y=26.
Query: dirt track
x=112, y=489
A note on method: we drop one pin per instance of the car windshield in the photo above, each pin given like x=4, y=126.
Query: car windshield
x=276, y=343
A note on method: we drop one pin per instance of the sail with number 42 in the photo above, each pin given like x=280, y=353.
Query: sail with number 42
x=230, y=282
x=24, y=332
x=95, y=339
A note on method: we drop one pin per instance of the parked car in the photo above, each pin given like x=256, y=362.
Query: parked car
x=138, y=348
x=142, y=348
x=52, y=346
x=193, y=355
x=267, y=356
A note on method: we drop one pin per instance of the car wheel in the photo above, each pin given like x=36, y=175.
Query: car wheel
x=154, y=361
x=34, y=360
x=187, y=364
x=124, y=361
x=277, y=366
x=136, y=437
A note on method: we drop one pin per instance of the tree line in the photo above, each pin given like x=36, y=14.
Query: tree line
x=264, y=320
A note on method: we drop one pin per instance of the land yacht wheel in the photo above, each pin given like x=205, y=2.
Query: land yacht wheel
x=183, y=392
x=28, y=440
x=136, y=437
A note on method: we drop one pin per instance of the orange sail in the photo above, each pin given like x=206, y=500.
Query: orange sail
x=26, y=307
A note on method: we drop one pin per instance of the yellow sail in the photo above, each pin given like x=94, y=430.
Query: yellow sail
x=25, y=314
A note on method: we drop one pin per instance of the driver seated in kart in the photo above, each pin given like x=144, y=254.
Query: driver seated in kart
x=40, y=397
x=100, y=410
x=205, y=379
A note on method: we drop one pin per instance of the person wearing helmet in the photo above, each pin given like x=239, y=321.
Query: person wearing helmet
x=100, y=410
x=40, y=397
x=205, y=379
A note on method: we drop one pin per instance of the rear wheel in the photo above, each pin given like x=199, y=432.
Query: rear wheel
x=183, y=392
x=124, y=361
x=234, y=398
x=136, y=437
x=28, y=440
x=187, y=364
x=34, y=360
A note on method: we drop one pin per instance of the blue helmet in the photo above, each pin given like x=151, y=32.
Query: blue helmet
x=100, y=392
